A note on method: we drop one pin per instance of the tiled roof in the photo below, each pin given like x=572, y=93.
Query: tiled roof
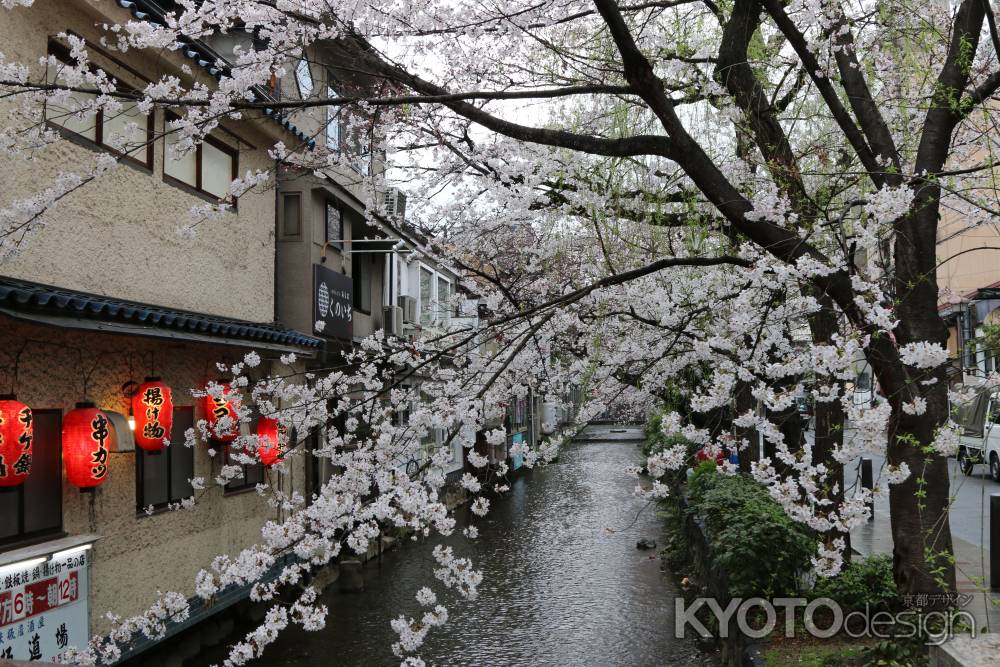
x=26, y=296
x=144, y=10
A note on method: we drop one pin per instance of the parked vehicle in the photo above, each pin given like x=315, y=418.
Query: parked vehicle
x=804, y=405
x=980, y=441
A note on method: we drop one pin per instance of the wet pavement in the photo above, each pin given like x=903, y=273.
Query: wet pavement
x=969, y=520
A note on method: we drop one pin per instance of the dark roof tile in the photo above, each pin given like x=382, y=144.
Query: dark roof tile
x=23, y=295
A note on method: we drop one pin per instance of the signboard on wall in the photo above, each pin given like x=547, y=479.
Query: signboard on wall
x=333, y=295
x=43, y=608
x=517, y=459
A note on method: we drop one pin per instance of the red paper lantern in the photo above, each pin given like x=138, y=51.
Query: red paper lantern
x=153, y=409
x=16, y=434
x=86, y=435
x=215, y=409
x=269, y=449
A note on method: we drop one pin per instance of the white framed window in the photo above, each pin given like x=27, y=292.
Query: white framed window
x=304, y=77
x=434, y=301
x=332, y=121
x=426, y=298
x=126, y=131
x=209, y=168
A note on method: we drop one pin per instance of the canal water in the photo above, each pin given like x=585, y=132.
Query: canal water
x=564, y=584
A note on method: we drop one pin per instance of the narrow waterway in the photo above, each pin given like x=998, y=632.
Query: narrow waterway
x=563, y=584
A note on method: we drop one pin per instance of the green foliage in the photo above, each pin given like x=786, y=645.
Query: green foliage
x=655, y=440
x=820, y=654
x=897, y=653
x=761, y=549
x=862, y=582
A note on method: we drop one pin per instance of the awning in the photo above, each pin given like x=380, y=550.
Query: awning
x=65, y=308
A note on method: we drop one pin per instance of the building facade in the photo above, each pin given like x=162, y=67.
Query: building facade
x=122, y=287
x=106, y=294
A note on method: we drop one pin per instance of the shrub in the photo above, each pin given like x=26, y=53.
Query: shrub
x=656, y=441
x=862, y=582
x=762, y=550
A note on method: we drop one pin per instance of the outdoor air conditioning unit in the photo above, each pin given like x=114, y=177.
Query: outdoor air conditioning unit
x=468, y=308
x=392, y=320
x=409, y=306
x=395, y=204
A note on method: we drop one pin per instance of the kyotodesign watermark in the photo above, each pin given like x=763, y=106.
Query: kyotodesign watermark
x=757, y=618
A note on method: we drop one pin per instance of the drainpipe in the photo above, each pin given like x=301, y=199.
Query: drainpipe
x=277, y=203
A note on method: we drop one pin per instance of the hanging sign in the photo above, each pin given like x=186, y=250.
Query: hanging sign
x=217, y=408
x=268, y=434
x=86, y=437
x=333, y=295
x=153, y=409
x=15, y=441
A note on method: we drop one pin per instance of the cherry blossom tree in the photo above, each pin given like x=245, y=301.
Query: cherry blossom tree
x=730, y=200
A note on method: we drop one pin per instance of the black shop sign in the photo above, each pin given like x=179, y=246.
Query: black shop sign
x=332, y=303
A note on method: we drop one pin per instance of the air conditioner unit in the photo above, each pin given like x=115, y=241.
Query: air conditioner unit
x=409, y=307
x=392, y=320
x=395, y=204
x=468, y=308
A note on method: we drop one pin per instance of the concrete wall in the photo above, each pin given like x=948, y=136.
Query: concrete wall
x=137, y=554
x=117, y=236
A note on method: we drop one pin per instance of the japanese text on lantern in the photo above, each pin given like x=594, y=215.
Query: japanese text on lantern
x=152, y=399
x=99, y=432
x=15, y=442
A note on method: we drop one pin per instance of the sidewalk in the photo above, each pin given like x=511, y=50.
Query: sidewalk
x=972, y=564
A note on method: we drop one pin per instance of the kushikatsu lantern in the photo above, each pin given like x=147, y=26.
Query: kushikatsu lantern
x=216, y=408
x=267, y=434
x=86, y=440
x=15, y=441
x=153, y=409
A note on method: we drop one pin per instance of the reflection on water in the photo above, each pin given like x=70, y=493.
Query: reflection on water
x=559, y=588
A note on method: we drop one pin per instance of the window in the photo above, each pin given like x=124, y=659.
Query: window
x=125, y=132
x=355, y=138
x=253, y=473
x=162, y=478
x=426, y=296
x=33, y=510
x=209, y=168
x=291, y=214
x=334, y=225
x=303, y=76
x=435, y=298
x=332, y=121
x=361, y=274
x=443, y=300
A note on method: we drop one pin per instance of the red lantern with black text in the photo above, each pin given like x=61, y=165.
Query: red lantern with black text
x=16, y=434
x=86, y=440
x=153, y=409
x=267, y=433
x=216, y=408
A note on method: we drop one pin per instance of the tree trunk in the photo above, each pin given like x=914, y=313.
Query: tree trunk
x=744, y=402
x=921, y=531
x=829, y=433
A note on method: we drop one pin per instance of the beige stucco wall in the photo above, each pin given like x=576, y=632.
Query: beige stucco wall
x=966, y=272
x=297, y=255
x=137, y=555
x=117, y=235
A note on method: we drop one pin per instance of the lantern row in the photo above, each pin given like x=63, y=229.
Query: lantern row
x=87, y=433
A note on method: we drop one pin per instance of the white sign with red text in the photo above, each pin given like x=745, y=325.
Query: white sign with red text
x=43, y=608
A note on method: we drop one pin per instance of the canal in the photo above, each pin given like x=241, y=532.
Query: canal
x=563, y=582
